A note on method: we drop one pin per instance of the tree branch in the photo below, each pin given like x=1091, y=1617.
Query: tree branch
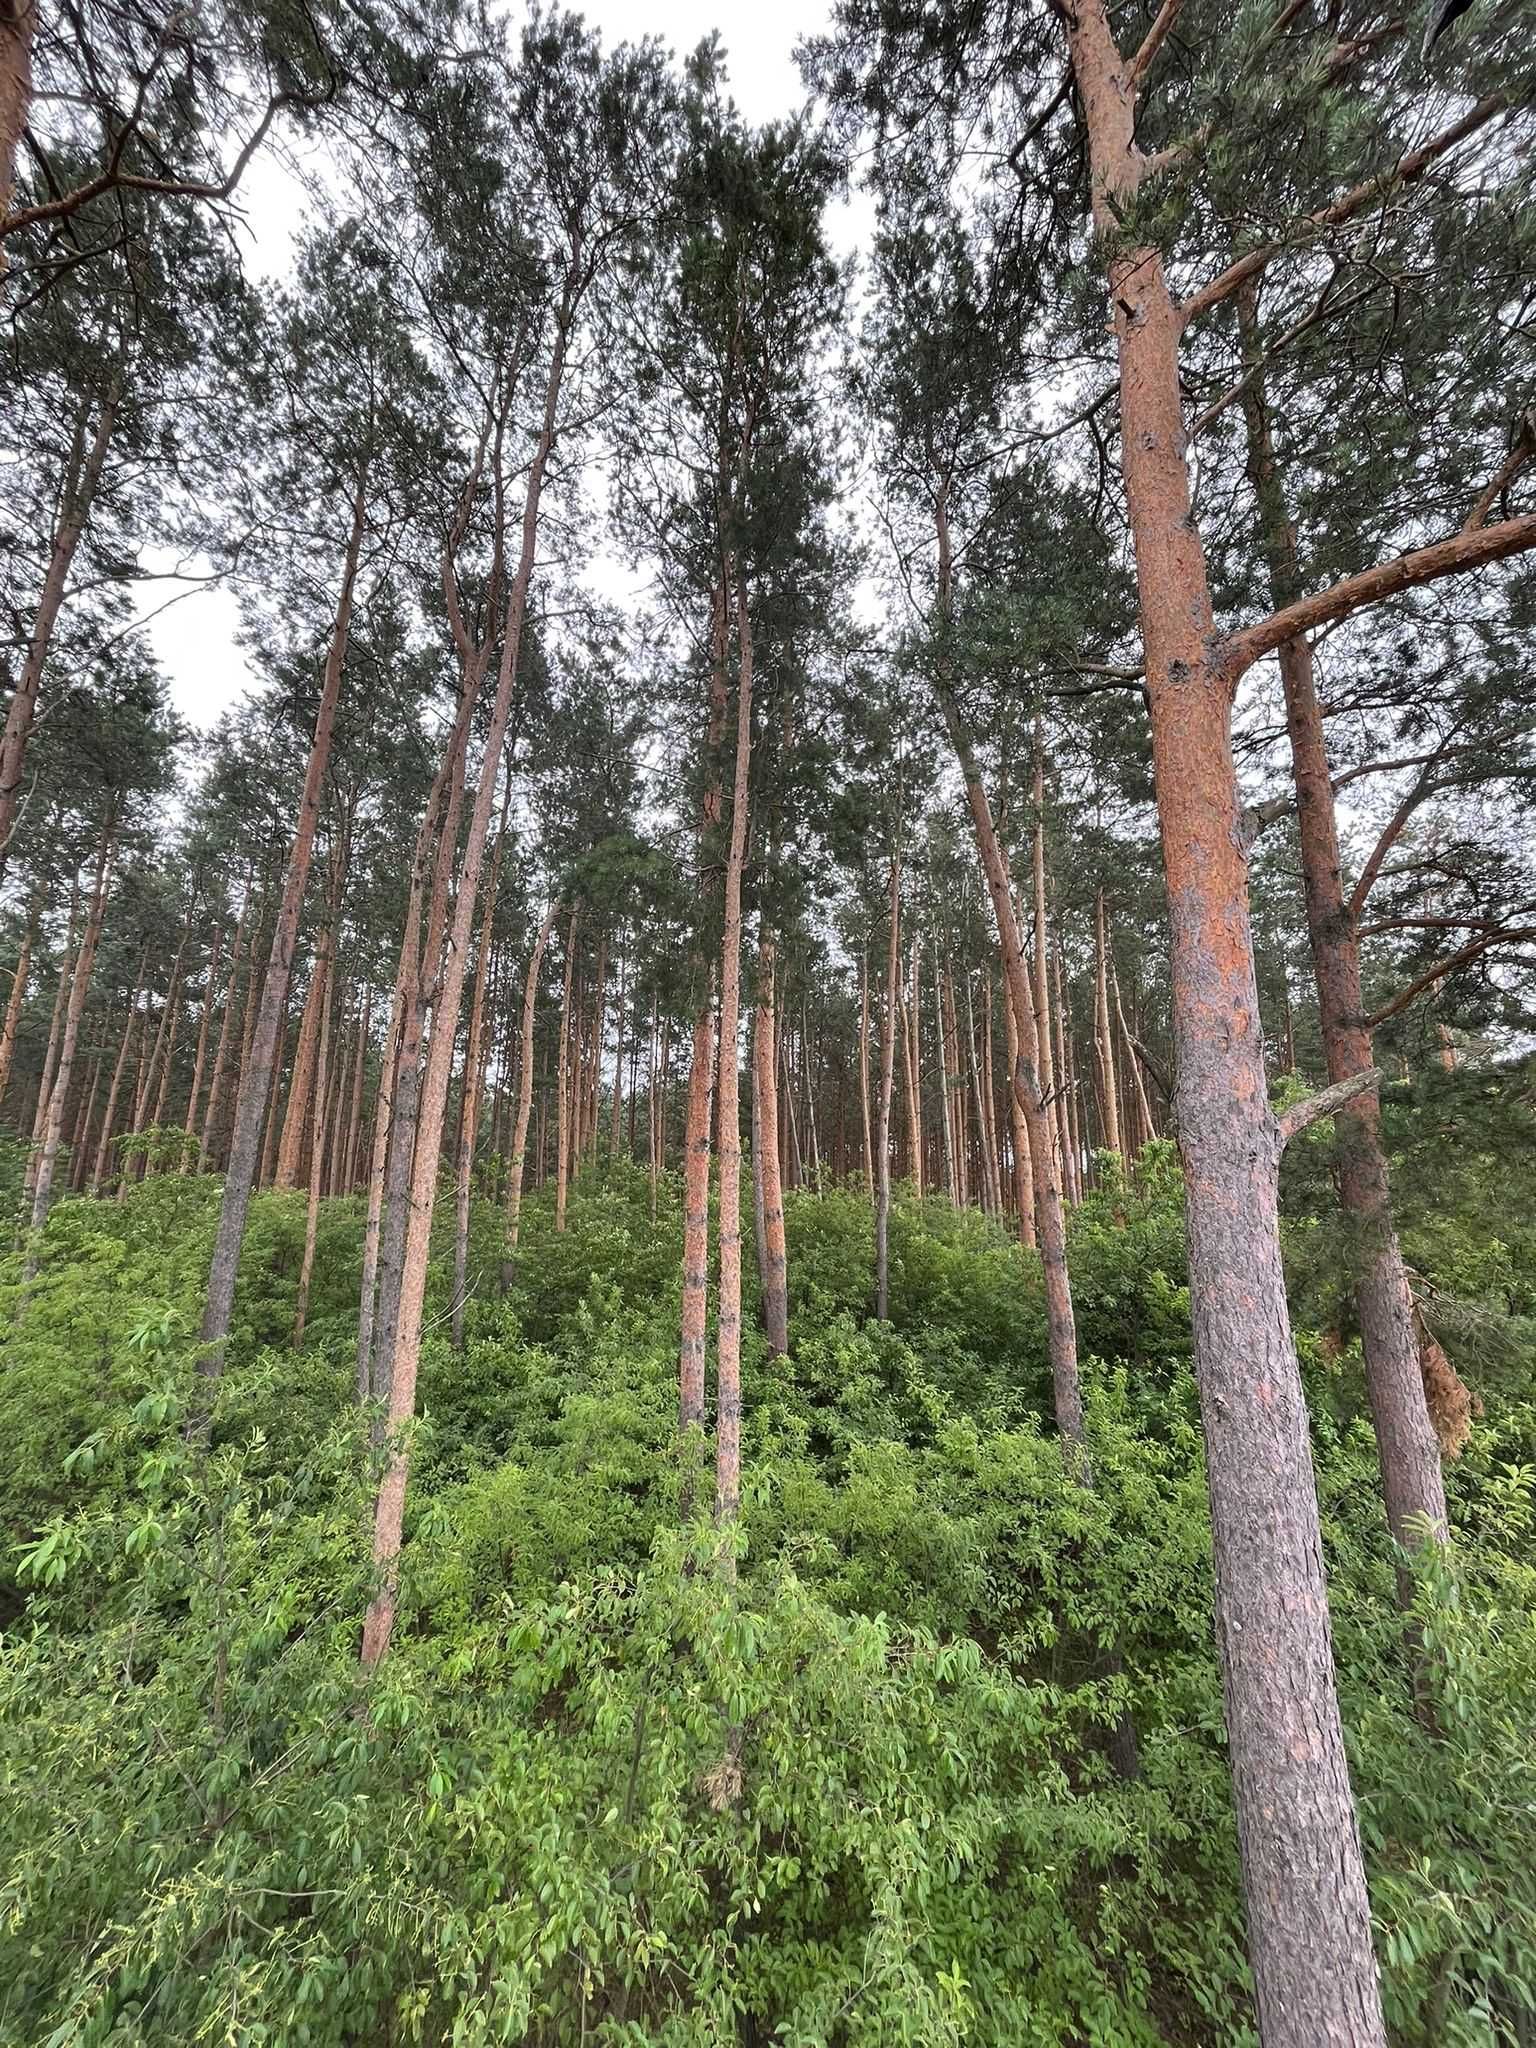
x=1324, y=1103
x=1462, y=957
x=1462, y=551
x=1344, y=208
x=1152, y=42
x=1518, y=456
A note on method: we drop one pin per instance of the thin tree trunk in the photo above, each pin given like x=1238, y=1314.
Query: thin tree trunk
x=524, y=1100
x=773, y=1260
x=1103, y=1038
x=200, y=1057
x=221, y=1051
x=406, y=1349
x=82, y=479
x=120, y=1067
x=887, y=1090
x=296, y=1117
x=1412, y=1482
x=869, y=1143
x=13, y=1006
x=324, y=968
x=244, y=1147
x=728, y=1340
x=85, y=960
x=469, y=1107
x=1022, y=1182
x=1309, y=1923
x=695, y=1303
x=563, y=1084
x=389, y=1066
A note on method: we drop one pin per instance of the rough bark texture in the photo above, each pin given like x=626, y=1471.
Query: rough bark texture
x=1308, y=1914
x=774, y=1262
x=246, y=1141
x=18, y=27
x=1410, y=1459
x=316, y=1147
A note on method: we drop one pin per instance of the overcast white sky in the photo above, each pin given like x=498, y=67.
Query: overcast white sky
x=196, y=637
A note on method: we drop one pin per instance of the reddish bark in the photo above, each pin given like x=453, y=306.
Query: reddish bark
x=389, y=1511
x=18, y=27
x=774, y=1258
x=240, y=1177
x=1308, y=1912
x=1412, y=1484
x=728, y=1319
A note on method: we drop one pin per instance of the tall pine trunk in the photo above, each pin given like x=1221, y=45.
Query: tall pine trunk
x=1309, y=1923
x=245, y=1144
x=887, y=1091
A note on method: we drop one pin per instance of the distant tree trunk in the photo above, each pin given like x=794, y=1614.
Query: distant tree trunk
x=81, y=481
x=296, y=1116
x=1023, y=1192
x=887, y=1090
x=344, y=1178
x=695, y=1305
x=51, y=1050
x=13, y=1005
x=524, y=1100
x=120, y=1067
x=469, y=1106
x=1104, y=1042
x=728, y=1337
x=324, y=969
x=85, y=960
x=245, y=1144
x=200, y=1056
x=389, y=1068
x=1412, y=1482
x=1132, y=1064
x=221, y=1051
x=1066, y=1089
x=869, y=1143
x=564, y=1089
x=773, y=1254
x=655, y=1110
x=616, y=1102
x=1050, y=1222
x=1309, y=1922
x=912, y=1054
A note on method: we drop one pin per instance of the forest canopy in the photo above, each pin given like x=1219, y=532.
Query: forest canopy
x=769, y=1254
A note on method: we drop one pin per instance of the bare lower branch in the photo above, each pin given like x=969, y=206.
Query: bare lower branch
x=1462, y=957
x=1522, y=453
x=1325, y=1102
x=1152, y=42
x=1462, y=551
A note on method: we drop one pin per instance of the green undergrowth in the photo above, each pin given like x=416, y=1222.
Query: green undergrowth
x=530, y=1826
